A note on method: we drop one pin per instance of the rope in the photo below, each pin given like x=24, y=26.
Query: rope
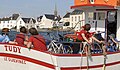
x=104, y=65
x=87, y=63
x=87, y=53
x=81, y=61
x=105, y=57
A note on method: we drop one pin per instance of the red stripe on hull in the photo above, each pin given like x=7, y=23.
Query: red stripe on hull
x=90, y=67
x=29, y=60
x=52, y=66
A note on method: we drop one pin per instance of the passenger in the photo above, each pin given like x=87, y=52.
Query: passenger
x=98, y=46
x=22, y=38
x=112, y=42
x=36, y=40
x=4, y=37
x=85, y=36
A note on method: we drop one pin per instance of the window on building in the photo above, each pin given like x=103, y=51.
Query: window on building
x=72, y=18
x=20, y=22
x=8, y=21
x=72, y=24
x=78, y=18
x=20, y=26
x=30, y=22
x=101, y=15
x=67, y=24
x=7, y=25
x=75, y=18
x=3, y=21
x=10, y=25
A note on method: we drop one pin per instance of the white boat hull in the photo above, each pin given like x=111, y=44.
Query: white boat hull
x=13, y=57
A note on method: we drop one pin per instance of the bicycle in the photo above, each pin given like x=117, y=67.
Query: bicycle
x=59, y=48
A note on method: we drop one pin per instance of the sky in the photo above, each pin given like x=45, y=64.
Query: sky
x=34, y=8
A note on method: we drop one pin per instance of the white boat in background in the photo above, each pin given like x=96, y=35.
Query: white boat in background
x=14, y=57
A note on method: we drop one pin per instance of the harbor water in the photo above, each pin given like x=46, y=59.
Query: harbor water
x=48, y=35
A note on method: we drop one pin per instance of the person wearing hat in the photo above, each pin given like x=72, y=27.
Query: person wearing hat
x=4, y=36
x=112, y=42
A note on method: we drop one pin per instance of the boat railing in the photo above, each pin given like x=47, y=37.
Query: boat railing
x=67, y=47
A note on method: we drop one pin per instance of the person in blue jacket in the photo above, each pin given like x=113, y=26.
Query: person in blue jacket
x=112, y=42
x=4, y=36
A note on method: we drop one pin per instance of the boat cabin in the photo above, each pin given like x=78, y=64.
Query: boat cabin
x=101, y=14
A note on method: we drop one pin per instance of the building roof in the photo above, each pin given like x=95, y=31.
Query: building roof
x=67, y=15
x=52, y=17
x=39, y=18
x=34, y=21
x=49, y=16
x=13, y=17
x=5, y=19
x=75, y=12
x=27, y=20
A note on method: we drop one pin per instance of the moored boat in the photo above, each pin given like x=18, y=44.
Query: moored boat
x=16, y=57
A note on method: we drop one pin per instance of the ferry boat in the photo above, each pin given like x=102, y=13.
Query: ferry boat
x=15, y=57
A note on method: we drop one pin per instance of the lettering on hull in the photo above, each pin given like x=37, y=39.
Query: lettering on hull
x=9, y=59
x=11, y=48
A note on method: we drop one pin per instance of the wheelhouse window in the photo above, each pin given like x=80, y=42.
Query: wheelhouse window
x=90, y=15
x=101, y=15
x=111, y=16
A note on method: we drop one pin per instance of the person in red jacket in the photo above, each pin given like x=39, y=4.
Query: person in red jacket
x=22, y=38
x=36, y=40
x=85, y=36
